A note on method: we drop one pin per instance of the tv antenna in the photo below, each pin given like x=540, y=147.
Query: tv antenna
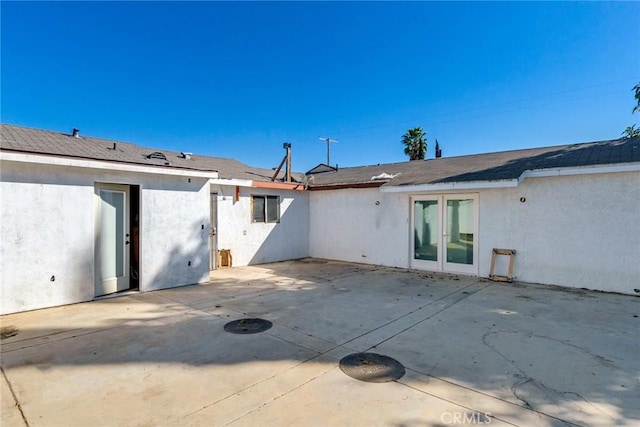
x=328, y=141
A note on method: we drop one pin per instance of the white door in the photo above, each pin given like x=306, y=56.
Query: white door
x=112, y=238
x=444, y=233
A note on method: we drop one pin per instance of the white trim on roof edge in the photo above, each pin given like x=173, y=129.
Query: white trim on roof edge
x=536, y=173
x=104, y=165
x=582, y=170
x=232, y=181
x=449, y=186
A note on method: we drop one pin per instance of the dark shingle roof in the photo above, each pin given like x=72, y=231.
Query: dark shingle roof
x=507, y=165
x=29, y=140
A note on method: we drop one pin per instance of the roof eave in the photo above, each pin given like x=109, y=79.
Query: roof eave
x=581, y=170
x=46, y=159
x=507, y=183
x=449, y=186
x=375, y=184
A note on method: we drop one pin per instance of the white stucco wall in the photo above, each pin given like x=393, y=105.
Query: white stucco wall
x=576, y=231
x=349, y=225
x=256, y=243
x=174, y=232
x=47, y=230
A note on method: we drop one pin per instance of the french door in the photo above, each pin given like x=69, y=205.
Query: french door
x=445, y=233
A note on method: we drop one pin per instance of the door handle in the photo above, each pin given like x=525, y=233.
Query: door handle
x=126, y=243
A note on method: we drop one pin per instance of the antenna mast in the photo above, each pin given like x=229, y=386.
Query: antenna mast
x=328, y=141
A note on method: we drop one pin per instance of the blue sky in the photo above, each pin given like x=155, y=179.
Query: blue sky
x=239, y=79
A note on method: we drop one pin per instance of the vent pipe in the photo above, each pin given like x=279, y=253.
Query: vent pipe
x=287, y=146
x=438, y=150
x=76, y=133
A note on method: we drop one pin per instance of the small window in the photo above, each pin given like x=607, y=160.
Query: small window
x=265, y=208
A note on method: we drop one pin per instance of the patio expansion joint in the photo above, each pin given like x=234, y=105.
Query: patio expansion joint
x=44, y=339
x=320, y=353
x=257, y=383
x=236, y=298
x=281, y=395
x=461, y=290
x=337, y=346
x=15, y=398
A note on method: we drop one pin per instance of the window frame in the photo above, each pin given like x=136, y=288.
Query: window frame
x=265, y=217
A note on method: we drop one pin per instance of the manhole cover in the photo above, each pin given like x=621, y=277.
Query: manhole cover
x=372, y=367
x=248, y=326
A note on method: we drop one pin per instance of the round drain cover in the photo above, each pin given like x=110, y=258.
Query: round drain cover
x=372, y=367
x=248, y=326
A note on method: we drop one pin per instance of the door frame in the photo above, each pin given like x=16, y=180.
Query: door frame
x=109, y=285
x=442, y=264
x=213, y=231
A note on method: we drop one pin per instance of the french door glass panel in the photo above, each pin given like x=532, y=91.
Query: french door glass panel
x=425, y=230
x=460, y=231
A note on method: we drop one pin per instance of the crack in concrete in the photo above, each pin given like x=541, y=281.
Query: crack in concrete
x=600, y=359
x=552, y=394
x=15, y=398
x=452, y=402
x=527, y=406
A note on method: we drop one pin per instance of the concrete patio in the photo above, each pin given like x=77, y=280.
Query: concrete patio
x=475, y=352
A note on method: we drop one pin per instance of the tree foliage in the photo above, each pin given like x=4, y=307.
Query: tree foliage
x=415, y=143
x=631, y=132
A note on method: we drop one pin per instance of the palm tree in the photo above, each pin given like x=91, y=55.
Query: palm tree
x=636, y=89
x=415, y=143
x=631, y=132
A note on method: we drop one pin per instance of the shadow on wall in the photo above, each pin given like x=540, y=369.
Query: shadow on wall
x=186, y=263
x=288, y=239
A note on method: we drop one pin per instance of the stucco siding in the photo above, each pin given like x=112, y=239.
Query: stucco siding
x=575, y=231
x=46, y=249
x=360, y=225
x=257, y=243
x=47, y=225
x=580, y=231
x=174, y=232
